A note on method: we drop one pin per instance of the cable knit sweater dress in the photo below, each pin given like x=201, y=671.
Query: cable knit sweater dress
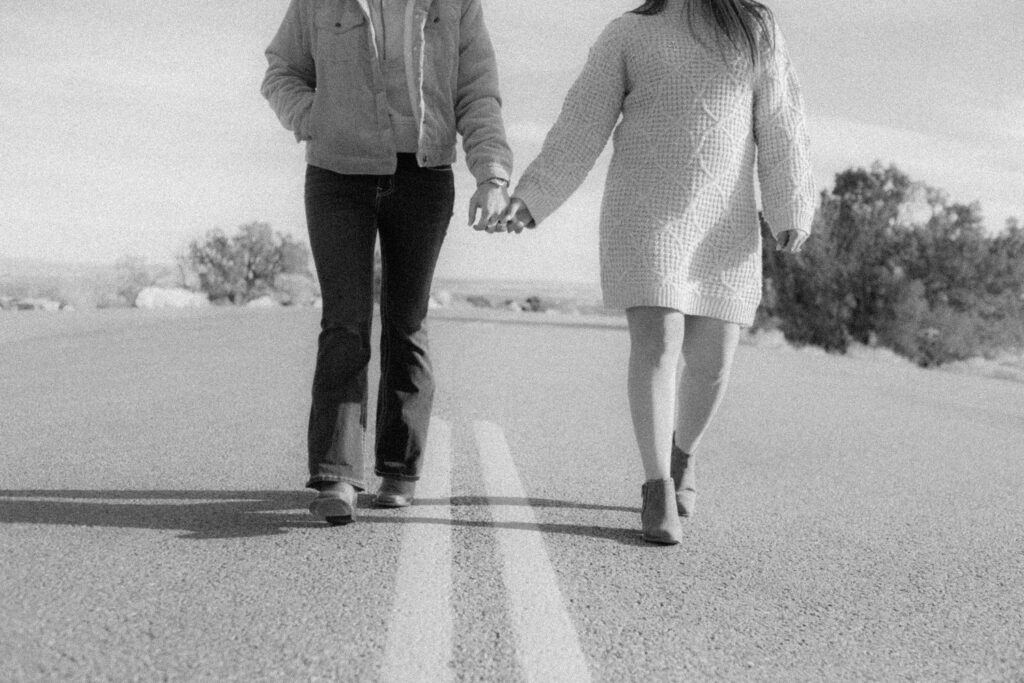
x=679, y=223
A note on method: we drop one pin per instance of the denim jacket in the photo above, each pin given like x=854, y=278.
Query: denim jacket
x=325, y=83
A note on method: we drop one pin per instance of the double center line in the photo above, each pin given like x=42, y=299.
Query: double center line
x=421, y=633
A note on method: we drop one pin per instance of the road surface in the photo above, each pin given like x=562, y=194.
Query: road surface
x=856, y=520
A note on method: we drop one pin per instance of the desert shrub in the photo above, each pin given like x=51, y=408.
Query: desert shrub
x=894, y=262
x=294, y=289
x=132, y=274
x=244, y=266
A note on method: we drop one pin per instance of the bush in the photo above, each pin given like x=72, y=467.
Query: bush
x=294, y=289
x=244, y=266
x=894, y=262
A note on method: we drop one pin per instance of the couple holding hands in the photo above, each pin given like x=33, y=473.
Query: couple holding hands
x=703, y=103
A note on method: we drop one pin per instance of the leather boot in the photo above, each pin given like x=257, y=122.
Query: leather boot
x=335, y=504
x=395, y=493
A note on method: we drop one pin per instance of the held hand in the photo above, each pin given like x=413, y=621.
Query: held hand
x=791, y=241
x=491, y=202
x=518, y=217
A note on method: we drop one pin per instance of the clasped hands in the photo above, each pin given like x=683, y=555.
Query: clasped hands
x=497, y=211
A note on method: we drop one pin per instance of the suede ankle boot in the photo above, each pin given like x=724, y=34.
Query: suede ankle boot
x=658, y=516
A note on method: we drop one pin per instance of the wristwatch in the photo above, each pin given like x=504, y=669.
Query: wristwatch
x=497, y=182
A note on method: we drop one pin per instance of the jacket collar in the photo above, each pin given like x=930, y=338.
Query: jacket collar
x=421, y=6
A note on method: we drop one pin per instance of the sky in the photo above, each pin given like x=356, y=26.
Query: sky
x=131, y=127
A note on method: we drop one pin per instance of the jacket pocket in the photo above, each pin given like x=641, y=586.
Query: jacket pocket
x=341, y=35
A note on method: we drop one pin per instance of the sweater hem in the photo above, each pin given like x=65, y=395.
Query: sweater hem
x=688, y=303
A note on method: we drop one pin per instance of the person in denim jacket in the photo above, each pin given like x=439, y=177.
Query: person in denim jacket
x=378, y=90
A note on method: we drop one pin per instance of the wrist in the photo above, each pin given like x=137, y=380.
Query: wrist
x=495, y=181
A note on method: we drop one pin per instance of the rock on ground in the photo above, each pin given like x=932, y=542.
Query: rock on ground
x=152, y=298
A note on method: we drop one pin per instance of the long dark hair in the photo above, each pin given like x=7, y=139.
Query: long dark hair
x=742, y=22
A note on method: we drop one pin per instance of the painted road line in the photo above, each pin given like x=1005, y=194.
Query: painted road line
x=419, y=644
x=548, y=645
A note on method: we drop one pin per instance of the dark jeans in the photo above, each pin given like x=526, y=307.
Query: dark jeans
x=410, y=210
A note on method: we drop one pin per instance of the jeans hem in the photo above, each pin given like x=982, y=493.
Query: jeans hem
x=397, y=476
x=358, y=485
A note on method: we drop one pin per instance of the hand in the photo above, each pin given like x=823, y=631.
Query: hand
x=517, y=216
x=791, y=241
x=490, y=201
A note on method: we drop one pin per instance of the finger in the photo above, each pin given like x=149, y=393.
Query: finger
x=472, y=213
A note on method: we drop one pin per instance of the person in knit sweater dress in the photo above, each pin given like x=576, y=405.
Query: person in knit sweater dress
x=699, y=93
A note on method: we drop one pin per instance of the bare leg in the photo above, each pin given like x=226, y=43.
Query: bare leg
x=708, y=349
x=656, y=339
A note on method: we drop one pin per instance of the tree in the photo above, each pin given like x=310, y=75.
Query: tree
x=243, y=267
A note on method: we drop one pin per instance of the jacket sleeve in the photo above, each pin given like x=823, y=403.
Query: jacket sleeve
x=589, y=114
x=783, y=154
x=290, y=80
x=478, y=100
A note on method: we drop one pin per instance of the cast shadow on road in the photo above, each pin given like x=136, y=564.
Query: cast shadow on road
x=206, y=515
x=627, y=536
x=472, y=501
x=202, y=515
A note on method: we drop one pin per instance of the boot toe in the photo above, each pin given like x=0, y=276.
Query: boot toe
x=394, y=493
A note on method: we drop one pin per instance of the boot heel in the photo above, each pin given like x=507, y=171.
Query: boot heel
x=684, y=479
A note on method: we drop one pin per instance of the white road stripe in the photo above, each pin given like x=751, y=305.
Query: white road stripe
x=419, y=645
x=549, y=648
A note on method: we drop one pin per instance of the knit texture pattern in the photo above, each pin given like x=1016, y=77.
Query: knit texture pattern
x=679, y=225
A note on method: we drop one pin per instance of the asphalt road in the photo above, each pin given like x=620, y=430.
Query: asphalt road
x=857, y=520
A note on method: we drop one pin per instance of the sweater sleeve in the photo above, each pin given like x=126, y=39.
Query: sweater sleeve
x=589, y=114
x=290, y=80
x=780, y=130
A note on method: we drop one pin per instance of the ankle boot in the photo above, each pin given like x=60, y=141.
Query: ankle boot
x=685, y=481
x=395, y=493
x=658, y=515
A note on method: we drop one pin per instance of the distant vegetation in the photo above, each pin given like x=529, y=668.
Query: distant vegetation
x=895, y=263
x=253, y=263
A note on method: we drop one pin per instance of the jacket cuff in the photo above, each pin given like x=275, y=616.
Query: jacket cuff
x=485, y=172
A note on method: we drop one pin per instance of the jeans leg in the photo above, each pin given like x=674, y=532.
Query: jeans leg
x=341, y=217
x=414, y=221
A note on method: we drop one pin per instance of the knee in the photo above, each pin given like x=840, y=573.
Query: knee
x=655, y=350
x=344, y=348
x=707, y=371
x=403, y=326
x=656, y=341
